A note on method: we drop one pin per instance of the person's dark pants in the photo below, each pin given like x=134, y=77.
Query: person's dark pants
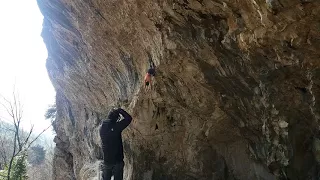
x=115, y=170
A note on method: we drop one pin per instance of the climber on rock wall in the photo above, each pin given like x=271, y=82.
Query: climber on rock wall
x=147, y=81
x=110, y=134
x=151, y=72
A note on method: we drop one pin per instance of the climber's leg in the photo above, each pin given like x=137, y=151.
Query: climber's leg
x=107, y=172
x=146, y=85
x=118, y=171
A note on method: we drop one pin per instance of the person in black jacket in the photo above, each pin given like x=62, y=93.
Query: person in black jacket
x=110, y=134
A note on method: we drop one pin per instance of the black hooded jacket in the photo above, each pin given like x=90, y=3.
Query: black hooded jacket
x=110, y=134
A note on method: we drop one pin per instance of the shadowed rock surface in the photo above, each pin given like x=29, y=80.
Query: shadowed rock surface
x=236, y=95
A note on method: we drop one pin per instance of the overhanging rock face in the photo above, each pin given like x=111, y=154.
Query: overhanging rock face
x=236, y=93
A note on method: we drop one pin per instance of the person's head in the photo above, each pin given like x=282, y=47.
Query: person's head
x=151, y=71
x=113, y=115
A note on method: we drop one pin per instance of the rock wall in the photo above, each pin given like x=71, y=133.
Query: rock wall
x=236, y=94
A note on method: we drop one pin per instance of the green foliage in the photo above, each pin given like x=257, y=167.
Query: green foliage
x=36, y=155
x=51, y=112
x=18, y=169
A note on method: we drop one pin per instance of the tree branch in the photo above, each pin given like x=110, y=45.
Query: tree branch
x=38, y=136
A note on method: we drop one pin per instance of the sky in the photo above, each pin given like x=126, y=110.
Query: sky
x=22, y=61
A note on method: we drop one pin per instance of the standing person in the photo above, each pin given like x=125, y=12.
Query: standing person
x=110, y=134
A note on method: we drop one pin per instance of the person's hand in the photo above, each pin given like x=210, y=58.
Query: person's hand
x=115, y=110
x=120, y=110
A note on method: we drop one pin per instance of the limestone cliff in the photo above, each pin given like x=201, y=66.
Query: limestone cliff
x=236, y=94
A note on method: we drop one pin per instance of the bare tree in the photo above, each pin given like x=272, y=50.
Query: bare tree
x=5, y=144
x=21, y=141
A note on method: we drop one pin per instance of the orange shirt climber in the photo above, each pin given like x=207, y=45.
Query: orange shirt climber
x=151, y=72
x=147, y=80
